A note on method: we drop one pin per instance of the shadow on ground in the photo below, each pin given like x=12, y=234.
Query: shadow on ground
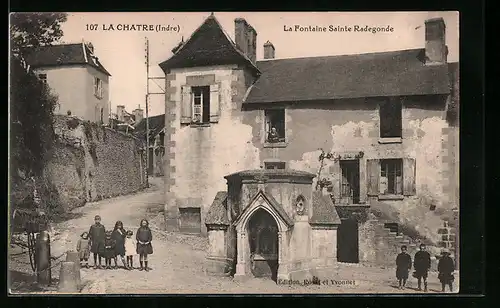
x=26, y=283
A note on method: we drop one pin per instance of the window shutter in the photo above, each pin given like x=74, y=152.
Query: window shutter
x=214, y=103
x=409, y=169
x=186, y=108
x=335, y=175
x=372, y=176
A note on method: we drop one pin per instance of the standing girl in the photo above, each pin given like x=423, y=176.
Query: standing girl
x=130, y=249
x=144, y=247
x=118, y=236
x=83, y=248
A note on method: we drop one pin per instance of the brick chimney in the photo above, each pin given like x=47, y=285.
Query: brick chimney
x=120, y=112
x=436, y=51
x=246, y=38
x=138, y=114
x=269, y=50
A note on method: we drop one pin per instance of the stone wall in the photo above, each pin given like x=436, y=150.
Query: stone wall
x=91, y=162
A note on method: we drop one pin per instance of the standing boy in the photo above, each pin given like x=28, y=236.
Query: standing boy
x=403, y=265
x=422, y=264
x=97, y=235
x=446, y=267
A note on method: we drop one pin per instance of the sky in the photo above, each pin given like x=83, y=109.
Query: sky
x=123, y=52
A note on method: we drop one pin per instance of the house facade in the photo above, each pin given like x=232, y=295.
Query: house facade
x=372, y=129
x=156, y=142
x=75, y=74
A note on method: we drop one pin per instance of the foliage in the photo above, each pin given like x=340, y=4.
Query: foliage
x=31, y=106
x=29, y=30
x=31, y=110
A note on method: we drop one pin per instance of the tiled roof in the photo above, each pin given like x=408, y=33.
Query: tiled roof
x=396, y=73
x=208, y=45
x=63, y=54
x=217, y=213
x=156, y=124
x=323, y=210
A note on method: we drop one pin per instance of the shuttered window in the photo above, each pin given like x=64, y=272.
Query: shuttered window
x=391, y=177
x=200, y=105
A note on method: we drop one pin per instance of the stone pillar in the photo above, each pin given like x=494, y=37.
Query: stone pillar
x=282, y=256
x=242, y=252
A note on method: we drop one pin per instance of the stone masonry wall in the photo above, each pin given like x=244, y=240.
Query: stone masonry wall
x=198, y=158
x=90, y=163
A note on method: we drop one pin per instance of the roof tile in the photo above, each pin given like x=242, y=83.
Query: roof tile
x=396, y=73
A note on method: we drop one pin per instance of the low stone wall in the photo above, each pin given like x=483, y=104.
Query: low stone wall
x=92, y=162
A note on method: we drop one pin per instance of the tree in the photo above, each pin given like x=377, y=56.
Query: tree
x=29, y=30
x=31, y=103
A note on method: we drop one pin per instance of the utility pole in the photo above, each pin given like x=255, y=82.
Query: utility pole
x=147, y=111
x=148, y=93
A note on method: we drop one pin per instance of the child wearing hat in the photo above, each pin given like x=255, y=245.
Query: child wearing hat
x=130, y=249
x=446, y=267
x=83, y=249
x=97, y=236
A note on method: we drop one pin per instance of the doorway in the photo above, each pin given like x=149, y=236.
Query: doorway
x=348, y=241
x=263, y=243
x=349, y=182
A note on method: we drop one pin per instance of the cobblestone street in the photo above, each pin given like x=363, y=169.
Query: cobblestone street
x=178, y=260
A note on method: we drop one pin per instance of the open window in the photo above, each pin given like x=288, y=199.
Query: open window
x=200, y=104
x=275, y=125
x=391, y=178
x=97, y=87
x=390, y=119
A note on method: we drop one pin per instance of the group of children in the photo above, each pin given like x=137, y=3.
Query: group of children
x=422, y=265
x=113, y=244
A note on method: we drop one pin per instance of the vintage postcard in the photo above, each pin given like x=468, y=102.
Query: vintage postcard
x=234, y=152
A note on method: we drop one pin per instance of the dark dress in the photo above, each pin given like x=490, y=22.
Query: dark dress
x=97, y=236
x=422, y=264
x=446, y=266
x=403, y=265
x=109, y=251
x=120, y=241
x=144, y=235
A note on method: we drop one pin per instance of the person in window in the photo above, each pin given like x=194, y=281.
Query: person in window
x=273, y=135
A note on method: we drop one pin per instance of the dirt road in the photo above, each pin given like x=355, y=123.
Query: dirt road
x=178, y=260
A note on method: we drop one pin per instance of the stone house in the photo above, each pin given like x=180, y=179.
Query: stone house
x=156, y=142
x=242, y=139
x=75, y=74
